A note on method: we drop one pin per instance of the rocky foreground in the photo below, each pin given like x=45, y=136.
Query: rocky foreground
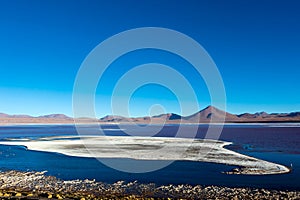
x=36, y=185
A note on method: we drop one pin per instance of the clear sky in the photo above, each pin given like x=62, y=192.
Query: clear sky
x=255, y=44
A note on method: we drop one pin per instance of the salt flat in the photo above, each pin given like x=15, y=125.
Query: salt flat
x=151, y=148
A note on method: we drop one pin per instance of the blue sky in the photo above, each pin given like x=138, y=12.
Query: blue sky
x=255, y=44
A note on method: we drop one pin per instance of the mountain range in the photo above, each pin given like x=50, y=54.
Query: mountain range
x=208, y=114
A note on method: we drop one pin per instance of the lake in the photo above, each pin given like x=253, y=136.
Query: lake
x=275, y=143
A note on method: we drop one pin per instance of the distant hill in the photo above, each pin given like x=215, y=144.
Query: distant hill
x=51, y=116
x=256, y=115
x=3, y=115
x=27, y=119
x=55, y=116
x=168, y=116
x=115, y=118
x=208, y=114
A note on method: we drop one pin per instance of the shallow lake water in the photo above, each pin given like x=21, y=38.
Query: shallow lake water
x=279, y=144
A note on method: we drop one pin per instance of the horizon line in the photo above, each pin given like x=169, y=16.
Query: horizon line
x=43, y=115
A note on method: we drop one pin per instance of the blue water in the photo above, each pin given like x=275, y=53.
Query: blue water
x=275, y=144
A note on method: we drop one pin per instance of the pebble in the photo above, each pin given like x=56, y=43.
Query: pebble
x=43, y=186
x=18, y=194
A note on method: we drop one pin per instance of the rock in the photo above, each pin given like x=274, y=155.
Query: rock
x=18, y=194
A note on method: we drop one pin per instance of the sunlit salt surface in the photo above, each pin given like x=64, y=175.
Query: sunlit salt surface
x=150, y=148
